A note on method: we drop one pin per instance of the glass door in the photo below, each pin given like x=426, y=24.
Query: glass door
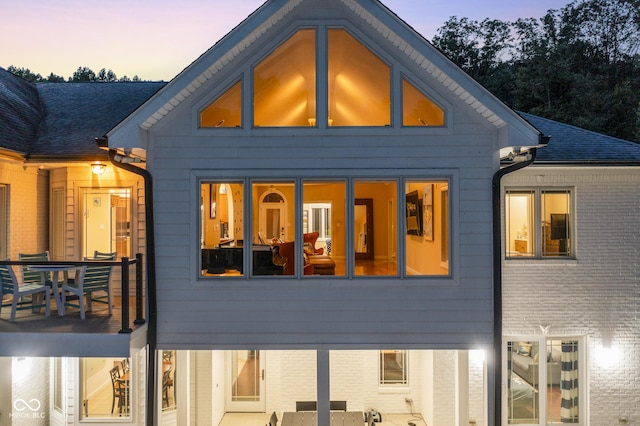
x=246, y=381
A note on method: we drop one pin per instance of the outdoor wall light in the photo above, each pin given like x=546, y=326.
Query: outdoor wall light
x=98, y=168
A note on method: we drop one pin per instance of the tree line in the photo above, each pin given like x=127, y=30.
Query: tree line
x=82, y=74
x=578, y=65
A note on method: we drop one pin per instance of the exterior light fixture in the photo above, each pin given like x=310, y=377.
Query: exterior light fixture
x=98, y=168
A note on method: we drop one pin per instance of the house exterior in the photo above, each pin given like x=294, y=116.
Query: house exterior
x=329, y=210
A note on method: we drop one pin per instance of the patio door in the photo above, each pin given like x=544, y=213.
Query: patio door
x=246, y=381
x=106, y=221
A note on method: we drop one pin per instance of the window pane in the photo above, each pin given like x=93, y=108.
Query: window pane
x=555, y=223
x=272, y=226
x=417, y=109
x=324, y=232
x=374, y=228
x=427, y=247
x=284, y=83
x=168, y=375
x=104, y=387
x=107, y=221
x=523, y=383
x=226, y=111
x=519, y=228
x=562, y=379
x=393, y=367
x=222, y=241
x=359, y=87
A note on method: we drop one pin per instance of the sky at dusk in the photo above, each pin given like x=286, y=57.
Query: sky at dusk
x=156, y=39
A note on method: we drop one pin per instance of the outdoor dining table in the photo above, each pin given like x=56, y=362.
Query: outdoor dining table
x=55, y=271
x=309, y=418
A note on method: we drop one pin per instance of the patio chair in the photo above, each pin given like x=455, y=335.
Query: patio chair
x=338, y=405
x=306, y=406
x=273, y=421
x=10, y=285
x=120, y=390
x=167, y=382
x=29, y=276
x=92, y=279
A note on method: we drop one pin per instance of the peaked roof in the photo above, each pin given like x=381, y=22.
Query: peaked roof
x=275, y=15
x=574, y=145
x=60, y=121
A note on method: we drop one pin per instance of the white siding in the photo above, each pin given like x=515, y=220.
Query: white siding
x=595, y=295
x=434, y=312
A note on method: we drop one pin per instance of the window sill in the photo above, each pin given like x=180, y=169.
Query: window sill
x=394, y=389
x=568, y=261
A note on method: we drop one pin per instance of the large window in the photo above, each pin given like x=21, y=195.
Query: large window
x=544, y=381
x=317, y=235
x=356, y=84
x=539, y=223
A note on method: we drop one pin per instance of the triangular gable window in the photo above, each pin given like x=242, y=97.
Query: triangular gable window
x=359, y=89
x=226, y=110
x=419, y=110
x=284, y=83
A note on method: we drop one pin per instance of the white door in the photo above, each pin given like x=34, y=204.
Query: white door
x=246, y=381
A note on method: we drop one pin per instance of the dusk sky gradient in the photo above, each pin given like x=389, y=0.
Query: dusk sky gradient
x=156, y=39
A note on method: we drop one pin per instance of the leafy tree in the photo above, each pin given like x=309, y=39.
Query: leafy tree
x=579, y=64
x=53, y=78
x=106, y=76
x=25, y=73
x=83, y=74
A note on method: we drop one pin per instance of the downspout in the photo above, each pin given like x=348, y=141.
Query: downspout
x=497, y=279
x=152, y=378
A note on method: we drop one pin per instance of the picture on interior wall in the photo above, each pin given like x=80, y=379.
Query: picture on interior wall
x=212, y=196
x=427, y=212
x=414, y=213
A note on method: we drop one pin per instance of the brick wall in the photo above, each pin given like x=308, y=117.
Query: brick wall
x=597, y=294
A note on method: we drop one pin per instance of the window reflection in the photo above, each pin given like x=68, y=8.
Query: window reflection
x=284, y=83
x=359, y=83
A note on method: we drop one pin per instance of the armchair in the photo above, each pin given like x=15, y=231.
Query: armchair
x=322, y=263
x=286, y=250
x=10, y=285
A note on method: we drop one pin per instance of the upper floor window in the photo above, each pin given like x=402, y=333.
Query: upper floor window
x=324, y=232
x=539, y=223
x=356, y=83
x=226, y=110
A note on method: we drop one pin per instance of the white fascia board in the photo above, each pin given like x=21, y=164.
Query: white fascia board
x=124, y=135
x=513, y=130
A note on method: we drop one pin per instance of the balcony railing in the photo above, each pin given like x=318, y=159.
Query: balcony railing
x=125, y=264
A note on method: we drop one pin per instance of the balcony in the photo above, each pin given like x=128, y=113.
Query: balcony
x=100, y=334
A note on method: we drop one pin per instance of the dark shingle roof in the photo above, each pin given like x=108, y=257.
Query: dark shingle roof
x=60, y=121
x=49, y=121
x=570, y=144
x=76, y=113
x=19, y=112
